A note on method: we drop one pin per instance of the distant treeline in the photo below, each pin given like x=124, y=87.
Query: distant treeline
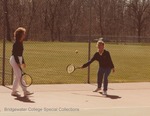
x=62, y=20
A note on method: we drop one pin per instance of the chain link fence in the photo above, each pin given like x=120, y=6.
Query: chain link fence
x=57, y=28
x=47, y=61
x=7, y=74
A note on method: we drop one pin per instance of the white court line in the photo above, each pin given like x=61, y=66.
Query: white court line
x=102, y=108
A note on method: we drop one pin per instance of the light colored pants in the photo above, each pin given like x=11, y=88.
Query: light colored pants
x=17, y=74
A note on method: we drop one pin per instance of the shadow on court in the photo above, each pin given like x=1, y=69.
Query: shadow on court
x=108, y=96
x=123, y=99
x=112, y=96
x=24, y=99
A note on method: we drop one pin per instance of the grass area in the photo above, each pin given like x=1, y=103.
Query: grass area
x=47, y=62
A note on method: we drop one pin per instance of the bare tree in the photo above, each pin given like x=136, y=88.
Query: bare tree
x=59, y=20
x=6, y=13
x=50, y=15
x=140, y=12
x=31, y=15
x=74, y=12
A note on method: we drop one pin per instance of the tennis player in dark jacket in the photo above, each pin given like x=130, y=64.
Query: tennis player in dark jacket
x=17, y=60
x=105, y=66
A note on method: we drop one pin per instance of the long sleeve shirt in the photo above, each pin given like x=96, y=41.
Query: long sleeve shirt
x=18, y=51
x=104, y=60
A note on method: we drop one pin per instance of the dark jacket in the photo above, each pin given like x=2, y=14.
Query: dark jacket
x=18, y=51
x=104, y=60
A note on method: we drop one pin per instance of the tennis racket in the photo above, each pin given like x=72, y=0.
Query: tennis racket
x=26, y=80
x=71, y=68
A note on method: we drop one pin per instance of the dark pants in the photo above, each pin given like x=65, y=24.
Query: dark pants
x=103, y=73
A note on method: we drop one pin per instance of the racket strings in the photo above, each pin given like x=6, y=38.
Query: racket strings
x=26, y=80
x=70, y=68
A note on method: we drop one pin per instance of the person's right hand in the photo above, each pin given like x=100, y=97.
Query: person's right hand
x=81, y=67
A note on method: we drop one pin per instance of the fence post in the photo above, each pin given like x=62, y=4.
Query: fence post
x=12, y=76
x=89, y=46
x=4, y=42
x=3, y=66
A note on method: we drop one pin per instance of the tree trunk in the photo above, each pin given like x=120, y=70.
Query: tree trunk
x=7, y=24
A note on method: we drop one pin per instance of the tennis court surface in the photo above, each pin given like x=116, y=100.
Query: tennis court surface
x=124, y=99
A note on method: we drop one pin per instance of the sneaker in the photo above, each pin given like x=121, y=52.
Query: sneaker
x=15, y=94
x=26, y=93
x=105, y=93
x=97, y=90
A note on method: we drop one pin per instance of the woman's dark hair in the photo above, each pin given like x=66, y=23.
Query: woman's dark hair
x=18, y=33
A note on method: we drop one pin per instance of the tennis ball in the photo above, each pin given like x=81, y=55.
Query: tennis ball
x=76, y=51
